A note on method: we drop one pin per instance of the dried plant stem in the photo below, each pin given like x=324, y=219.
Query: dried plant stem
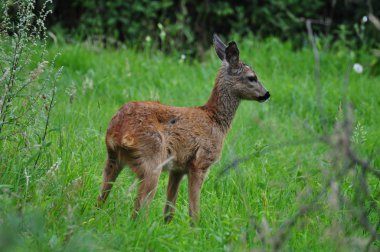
x=9, y=86
x=46, y=126
x=317, y=72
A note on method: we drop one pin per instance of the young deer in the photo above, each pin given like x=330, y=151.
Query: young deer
x=147, y=136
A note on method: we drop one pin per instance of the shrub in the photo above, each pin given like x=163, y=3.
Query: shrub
x=188, y=25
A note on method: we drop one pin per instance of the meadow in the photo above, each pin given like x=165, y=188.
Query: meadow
x=285, y=163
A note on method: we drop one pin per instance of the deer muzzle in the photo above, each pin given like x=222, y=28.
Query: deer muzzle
x=264, y=97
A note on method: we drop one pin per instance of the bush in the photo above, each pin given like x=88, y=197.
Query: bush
x=187, y=26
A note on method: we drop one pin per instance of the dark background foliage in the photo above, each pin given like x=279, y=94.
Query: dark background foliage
x=188, y=25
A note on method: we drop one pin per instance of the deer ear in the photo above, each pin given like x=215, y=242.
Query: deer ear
x=232, y=54
x=220, y=47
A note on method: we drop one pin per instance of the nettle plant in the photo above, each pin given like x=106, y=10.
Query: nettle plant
x=27, y=89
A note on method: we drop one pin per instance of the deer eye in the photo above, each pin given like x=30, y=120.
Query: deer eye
x=252, y=78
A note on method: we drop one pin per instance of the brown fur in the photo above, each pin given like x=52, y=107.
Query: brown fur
x=147, y=136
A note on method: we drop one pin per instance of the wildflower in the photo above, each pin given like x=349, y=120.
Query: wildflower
x=364, y=19
x=358, y=68
x=162, y=31
x=54, y=168
x=87, y=84
x=182, y=58
x=27, y=177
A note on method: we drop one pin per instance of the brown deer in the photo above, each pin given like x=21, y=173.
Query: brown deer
x=147, y=136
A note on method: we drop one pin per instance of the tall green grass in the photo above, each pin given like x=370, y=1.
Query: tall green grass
x=56, y=210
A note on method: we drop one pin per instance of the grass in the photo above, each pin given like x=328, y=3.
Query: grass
x=57, y=212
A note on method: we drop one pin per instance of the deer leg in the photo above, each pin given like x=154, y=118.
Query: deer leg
x=196, y=178
x=171, y=195
x=111, y=172
x=147, y=188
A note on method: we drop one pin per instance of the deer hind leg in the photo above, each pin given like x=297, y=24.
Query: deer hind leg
x=111, y=171
x=171, y=195
x=148, y=175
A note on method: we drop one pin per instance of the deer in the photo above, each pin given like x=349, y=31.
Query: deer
x=149, y=136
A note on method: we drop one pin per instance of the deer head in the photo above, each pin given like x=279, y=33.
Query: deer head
x=242, y=80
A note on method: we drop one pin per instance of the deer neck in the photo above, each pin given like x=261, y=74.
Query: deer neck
x=222, y=104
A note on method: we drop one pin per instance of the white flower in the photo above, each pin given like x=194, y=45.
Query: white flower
x=182, y=58
x=364, y=19
x=27, y=177
x=87, y=84
x=358, y=68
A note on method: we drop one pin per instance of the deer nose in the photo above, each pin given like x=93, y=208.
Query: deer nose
x=266, y=96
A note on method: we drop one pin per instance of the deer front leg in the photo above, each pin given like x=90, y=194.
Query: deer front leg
x=196, y=178
x=172, y=193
